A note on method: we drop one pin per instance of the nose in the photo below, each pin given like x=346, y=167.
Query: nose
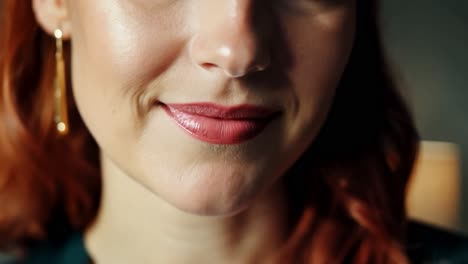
x=227, y=40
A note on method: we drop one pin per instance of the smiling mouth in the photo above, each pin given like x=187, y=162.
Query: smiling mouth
x=218, y=124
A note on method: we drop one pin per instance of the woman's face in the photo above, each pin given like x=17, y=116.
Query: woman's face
x=207, y=103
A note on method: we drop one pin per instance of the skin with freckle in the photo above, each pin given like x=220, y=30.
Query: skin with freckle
x=128, y=55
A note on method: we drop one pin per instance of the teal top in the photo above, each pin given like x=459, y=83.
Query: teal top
x=426, y=244
x=72, y=251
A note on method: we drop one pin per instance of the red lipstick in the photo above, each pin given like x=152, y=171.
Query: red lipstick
x=218, y=124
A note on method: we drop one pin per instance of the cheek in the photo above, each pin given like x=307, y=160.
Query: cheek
x=117, y=48
x=320, y=47
x=119, y=43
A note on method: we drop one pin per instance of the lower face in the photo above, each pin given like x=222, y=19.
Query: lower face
x=134, y=58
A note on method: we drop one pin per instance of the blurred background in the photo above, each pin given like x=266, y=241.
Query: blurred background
x=428, y=43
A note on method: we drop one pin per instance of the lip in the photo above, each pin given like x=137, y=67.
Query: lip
x=219, y=124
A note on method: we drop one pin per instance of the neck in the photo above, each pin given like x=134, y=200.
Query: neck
x=135, y=226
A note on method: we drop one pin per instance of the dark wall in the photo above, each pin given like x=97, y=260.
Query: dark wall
x=428, y=40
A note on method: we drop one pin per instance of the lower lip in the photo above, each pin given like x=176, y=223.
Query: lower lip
x=217, y=131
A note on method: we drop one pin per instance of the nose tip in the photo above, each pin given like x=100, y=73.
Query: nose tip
x=238, y=64
x=236, y=51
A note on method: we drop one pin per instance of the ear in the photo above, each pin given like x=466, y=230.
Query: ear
x=51, y=15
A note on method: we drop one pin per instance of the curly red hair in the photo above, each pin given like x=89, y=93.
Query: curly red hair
x=346, y=193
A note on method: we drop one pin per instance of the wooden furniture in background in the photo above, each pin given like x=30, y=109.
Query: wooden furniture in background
x=434, y=192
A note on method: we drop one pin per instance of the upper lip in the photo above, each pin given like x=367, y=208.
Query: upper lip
x=212, y=110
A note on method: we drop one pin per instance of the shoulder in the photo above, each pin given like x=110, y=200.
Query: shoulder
x=66, y=251
x=429, y=244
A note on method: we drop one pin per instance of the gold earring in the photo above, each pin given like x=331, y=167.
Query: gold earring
x=61, y=113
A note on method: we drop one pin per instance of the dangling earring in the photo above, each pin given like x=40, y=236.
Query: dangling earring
x=61, y=113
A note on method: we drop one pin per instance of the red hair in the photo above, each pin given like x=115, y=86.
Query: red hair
x=346, y=193
x=46, y=182
x=353, y=177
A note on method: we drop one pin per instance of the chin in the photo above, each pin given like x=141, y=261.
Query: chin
x=210, y=207
x=214, y=193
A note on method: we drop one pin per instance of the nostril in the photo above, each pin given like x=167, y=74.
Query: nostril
x=261, y=65
x=257, y=68
x=208, y=66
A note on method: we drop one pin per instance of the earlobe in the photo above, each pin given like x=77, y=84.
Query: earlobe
x=51, y=15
